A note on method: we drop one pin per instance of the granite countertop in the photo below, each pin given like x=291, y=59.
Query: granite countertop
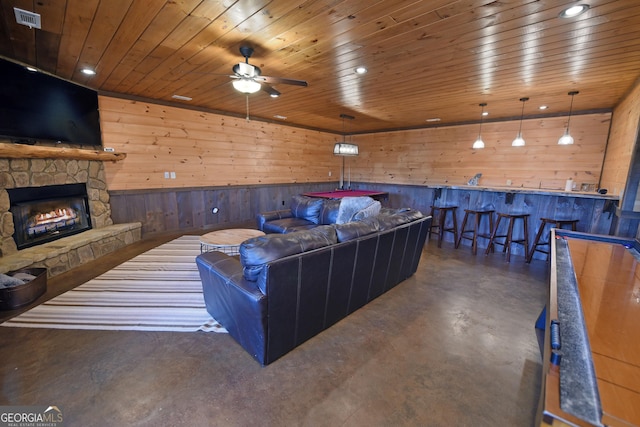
x=541, y=191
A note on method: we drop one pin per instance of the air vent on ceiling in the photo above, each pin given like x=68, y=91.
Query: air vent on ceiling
x=30, y=19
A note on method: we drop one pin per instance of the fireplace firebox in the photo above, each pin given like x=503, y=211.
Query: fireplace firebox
x=44, y=214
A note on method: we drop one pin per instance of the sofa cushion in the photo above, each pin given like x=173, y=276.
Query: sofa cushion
x=349, y=206
x=355, y=229
x=389, y=221
x=306, y=208
x=258, y=251
x=329, y=211
x=286, y=225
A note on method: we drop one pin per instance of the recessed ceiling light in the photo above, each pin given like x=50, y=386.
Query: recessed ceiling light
x=32, y=69
x=88, y=71
x=182, y=98
x=574, y=11
x=435, y=119
x=543, y=107
x=361, y=70
x=279, y=117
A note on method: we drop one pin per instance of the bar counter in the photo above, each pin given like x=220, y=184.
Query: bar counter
x=536, y=191
x=595, y=212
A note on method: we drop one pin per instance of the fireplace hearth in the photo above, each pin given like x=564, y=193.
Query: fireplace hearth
x=44, y=214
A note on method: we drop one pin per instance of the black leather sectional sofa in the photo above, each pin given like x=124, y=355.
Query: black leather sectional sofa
x=284, y=289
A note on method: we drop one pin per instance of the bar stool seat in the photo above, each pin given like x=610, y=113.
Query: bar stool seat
x=475, y=231
x=508, y=238
x=440, y=212
x=556, y=223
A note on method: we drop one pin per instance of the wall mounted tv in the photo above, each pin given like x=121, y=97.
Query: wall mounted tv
x=35, y=106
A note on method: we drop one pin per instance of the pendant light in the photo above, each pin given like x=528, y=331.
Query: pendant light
x=479, y=143
x=567, y=139
x=345, y=149
x=519, y=141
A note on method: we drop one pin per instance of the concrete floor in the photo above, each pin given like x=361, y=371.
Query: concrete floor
x=454, y=345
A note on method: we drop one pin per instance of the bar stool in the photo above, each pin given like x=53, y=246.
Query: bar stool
x=557, y=223
x=440, y=224
x=475, y=231
x=508, y=238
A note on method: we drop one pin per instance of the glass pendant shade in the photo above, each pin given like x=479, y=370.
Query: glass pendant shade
x=519, y=141
x=566, y=138
x=344, y=149
x=479, y=143
x=246, y=85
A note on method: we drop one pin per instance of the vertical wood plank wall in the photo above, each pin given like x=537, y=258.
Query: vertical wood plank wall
x=624, y=129
x=207, y=149
x=246, y=167
x=444, y=155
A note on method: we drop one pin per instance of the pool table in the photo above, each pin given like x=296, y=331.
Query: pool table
x=590, y=344
x=338, y=194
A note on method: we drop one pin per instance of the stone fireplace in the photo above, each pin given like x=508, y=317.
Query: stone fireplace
x=48, y=174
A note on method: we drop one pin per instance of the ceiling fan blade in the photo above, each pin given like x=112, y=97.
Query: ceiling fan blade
x=281, y=80
x=273, y=92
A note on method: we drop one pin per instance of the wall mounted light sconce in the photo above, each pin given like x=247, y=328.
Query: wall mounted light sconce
x=519, y=141
x=345, y=149
x=567, y=139
x=479, y=143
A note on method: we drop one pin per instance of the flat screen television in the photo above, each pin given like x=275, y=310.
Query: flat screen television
x=36, y=106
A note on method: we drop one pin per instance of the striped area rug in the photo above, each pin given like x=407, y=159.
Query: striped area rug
x=159, y=290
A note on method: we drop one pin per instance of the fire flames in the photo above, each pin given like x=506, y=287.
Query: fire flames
x=55, y=216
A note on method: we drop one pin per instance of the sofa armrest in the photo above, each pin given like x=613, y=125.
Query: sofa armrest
x=263, y=217
x=236, y=303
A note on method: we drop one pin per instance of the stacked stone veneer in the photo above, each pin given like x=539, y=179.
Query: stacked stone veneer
x=63, y=254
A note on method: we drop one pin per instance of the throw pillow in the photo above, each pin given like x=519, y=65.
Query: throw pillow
x=9, y=281
x=306, y=208
x=349, y=206
x=372, y=210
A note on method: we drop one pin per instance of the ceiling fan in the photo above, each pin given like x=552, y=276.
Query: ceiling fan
x=248, y=78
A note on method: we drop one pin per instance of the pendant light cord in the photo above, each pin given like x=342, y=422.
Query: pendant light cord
x=573, y=94
x=522, y=114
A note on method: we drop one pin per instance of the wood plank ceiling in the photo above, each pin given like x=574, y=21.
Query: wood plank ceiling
x=425, y=59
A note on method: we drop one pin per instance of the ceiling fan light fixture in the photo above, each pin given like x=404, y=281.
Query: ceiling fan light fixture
x=519, y=141
x=246, y=85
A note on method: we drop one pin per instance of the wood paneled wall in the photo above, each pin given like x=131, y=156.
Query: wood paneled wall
x=205, y=150
x=622, y=140
x=444, y=155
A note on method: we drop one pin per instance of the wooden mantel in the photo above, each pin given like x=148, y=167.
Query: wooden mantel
x=21, y=151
